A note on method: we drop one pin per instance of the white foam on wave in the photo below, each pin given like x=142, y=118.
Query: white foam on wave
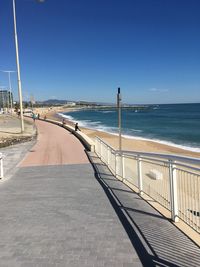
x=113, y=130
x=168, y=143
x=135, y=131
x=93, y=125
x=68, y=117
x=107, y=111
x=96, y=125
x=89, y=124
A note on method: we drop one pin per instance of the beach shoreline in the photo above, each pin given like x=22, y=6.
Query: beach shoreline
x=128, y=143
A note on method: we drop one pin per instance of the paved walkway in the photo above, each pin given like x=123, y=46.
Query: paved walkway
x=70, y=213
x=55, y=146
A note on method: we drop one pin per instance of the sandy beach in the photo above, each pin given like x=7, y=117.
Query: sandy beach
x=127, y=144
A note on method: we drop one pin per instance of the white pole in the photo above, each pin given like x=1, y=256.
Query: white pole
x=18, y=69
x=139, y=169
x=173, y=191
x=123, y=168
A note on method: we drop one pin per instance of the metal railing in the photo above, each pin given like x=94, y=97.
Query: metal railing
x=172, y=181
x=1, y=165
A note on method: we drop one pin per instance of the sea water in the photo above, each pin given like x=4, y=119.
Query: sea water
x=174, y=124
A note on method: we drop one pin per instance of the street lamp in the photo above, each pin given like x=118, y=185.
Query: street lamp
x=119, y=99
x=18, y=69
x=10, y=88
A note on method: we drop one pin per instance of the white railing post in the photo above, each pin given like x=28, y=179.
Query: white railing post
x=123, y=168
x=115, y=164
x=1, y=165
x=108, y=156
x=100, y=149
x=183, y=172
x=96, y=146
x=140, y=182
x=173, y=191
x=118, y=165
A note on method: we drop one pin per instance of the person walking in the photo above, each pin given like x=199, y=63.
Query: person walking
x=76, y=127
x=63, y=122
x=33, y=116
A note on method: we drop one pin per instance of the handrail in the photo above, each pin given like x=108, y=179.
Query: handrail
x=171, y=180
x=153, y=155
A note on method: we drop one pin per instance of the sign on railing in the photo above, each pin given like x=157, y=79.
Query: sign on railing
x=172, y=181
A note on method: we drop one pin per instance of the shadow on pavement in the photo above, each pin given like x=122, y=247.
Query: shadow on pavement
x=156, y=241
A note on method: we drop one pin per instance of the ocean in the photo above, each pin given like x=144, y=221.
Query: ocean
x=174, y=124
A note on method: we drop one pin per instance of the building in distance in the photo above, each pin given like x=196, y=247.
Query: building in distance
x=6, y=100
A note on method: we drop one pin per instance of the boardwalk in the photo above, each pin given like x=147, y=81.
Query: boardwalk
x=59, y=210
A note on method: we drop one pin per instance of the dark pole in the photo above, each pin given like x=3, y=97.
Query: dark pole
x=119, y=117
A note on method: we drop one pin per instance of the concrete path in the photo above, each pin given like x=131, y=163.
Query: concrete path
x=12, y=156
x=67, y=213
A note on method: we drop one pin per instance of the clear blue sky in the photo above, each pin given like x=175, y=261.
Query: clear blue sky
x=85, y=49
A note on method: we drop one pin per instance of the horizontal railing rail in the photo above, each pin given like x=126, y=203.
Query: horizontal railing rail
x=153, y=155
x=171, y=180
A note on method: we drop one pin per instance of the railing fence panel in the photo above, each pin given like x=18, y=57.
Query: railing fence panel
x=172, y=181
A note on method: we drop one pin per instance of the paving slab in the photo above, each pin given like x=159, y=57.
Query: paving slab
x=13, y=155
x=156, y=240
x=60, y=216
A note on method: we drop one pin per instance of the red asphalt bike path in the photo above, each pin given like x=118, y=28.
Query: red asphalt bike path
x=55, y=146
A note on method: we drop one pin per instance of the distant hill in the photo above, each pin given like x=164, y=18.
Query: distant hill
x=54, y=102
x=62, y=102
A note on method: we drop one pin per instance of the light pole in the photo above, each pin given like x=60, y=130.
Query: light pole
x=18, y=69
x=119, y=99
x=10, y=87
